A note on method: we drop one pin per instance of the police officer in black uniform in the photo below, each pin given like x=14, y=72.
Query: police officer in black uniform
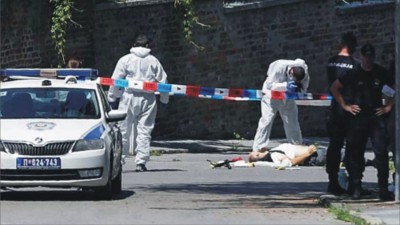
x=338, y=66
x=360, y=95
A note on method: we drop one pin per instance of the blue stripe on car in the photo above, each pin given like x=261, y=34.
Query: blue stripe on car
x=96, y=133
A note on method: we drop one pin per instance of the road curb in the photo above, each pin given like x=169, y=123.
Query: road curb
x=331, y=201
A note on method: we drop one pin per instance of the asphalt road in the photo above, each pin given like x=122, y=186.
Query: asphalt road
x=183, y=189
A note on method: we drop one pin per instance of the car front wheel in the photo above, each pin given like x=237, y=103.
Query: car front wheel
x=116, y=185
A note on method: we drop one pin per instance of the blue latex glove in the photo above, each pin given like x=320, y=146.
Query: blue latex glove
x=291, y=86
x=291, y=95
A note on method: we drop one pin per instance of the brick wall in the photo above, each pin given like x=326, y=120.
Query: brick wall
x=23, y=33
x=239, y=45
x=26, y=39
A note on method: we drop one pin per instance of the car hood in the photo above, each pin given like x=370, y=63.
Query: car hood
x=43, y=131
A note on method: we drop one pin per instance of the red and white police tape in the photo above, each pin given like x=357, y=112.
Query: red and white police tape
x=235, y=94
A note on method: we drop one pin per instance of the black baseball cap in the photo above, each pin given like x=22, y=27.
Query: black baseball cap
x=368, y=50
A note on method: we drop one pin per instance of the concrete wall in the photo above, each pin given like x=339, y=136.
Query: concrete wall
x=239, y=45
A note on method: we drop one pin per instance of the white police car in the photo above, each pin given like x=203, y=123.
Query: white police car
x=58, y=132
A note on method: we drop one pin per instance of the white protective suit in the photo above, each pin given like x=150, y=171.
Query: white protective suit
x=140, y=106
x=277, y=78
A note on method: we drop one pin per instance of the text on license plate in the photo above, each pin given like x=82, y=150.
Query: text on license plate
x=38, y=163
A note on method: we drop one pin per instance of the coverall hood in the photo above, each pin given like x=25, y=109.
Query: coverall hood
x=140, y=51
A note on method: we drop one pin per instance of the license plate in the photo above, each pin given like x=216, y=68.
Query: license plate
x=38, y=163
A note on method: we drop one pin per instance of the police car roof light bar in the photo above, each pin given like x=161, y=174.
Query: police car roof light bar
x=80, y=74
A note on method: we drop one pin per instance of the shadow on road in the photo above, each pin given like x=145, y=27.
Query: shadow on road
x=155, y=170
x=250, y=194
x=15, y=194
x=203, y=146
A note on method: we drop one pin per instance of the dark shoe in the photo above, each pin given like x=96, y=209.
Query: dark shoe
x=386, y=195
x=335, y=188
x=366, y=191
x=356, y=194
x=363, y=191
x=357, y=191
x=141, y=168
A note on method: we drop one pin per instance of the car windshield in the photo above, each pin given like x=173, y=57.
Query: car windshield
x=48, y=103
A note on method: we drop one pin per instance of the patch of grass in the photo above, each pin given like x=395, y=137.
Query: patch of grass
x=345, y=215
x=236, y=145
x=156, y=152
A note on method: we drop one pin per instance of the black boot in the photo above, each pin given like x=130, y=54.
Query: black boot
x=350, y=190
x=356, y=192
x=335, y=188
x=384, y=193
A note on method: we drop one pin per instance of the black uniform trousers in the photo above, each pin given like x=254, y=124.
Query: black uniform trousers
x=360, y=128
x=336, y=127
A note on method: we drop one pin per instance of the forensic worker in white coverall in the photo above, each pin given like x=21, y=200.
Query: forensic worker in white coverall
x=141, y=106
x=289, y=76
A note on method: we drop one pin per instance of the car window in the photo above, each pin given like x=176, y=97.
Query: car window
x=49, y=103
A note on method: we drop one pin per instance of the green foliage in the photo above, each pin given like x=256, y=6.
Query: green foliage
x=235, y=144
x=238, y=136
x=345, y=215
x=189, y=20
x=61, y=18
x=156, y=152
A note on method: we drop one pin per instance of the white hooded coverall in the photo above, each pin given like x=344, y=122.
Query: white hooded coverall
x=277, y=78
x=140, y=105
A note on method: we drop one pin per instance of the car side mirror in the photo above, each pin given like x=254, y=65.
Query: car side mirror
x=115, y=116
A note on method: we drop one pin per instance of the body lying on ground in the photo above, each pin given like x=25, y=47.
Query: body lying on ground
x=283, y=155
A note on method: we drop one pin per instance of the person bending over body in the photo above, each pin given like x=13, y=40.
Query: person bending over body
x=285, y=155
